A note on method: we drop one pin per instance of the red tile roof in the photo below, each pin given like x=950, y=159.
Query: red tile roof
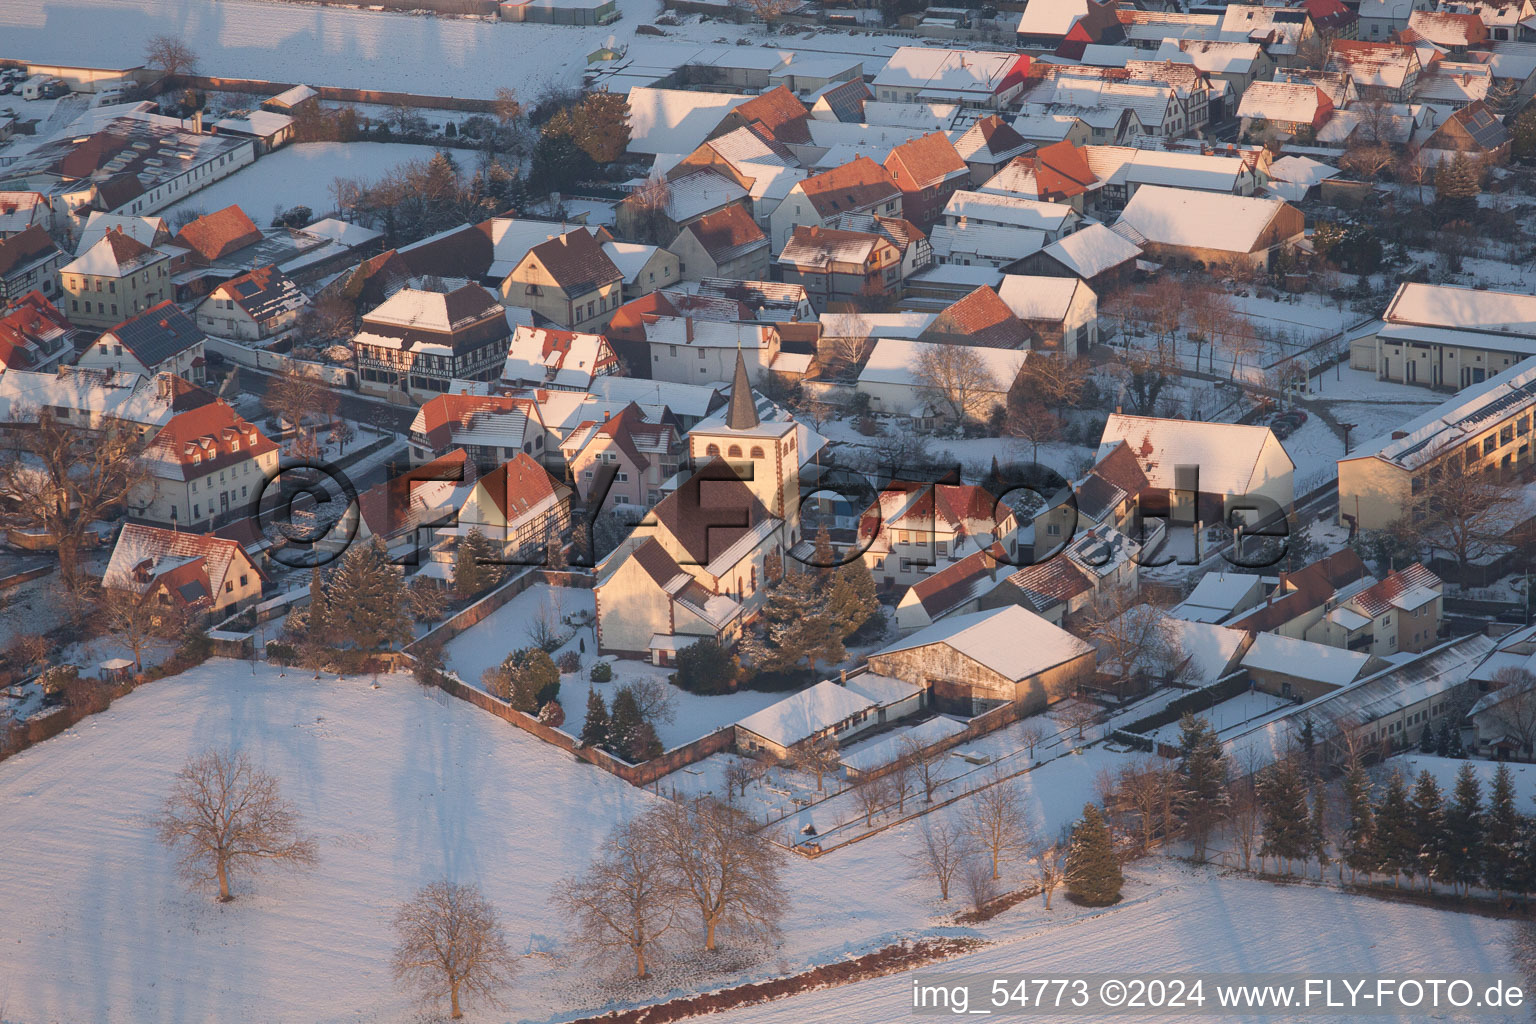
x=727, y=234
x=24, y=248
x=577, y=262
x=1377, y=599
x=981, y=318
x=216, y=235
x=778, y=112
x=26, y=326
x=925, y=161
x=857, y=185
x=518, y=486
x=208, y=438
x=191, y=566
x=387, y=508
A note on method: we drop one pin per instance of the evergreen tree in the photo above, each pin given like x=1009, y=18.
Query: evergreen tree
x=1283, y=803
x=474, y=572
x=1443, y=739
x=852, y=600
x=1502, y=834
x=1461, y=847
x=1317, y=828
x=532, y=679
x=374, y=612
x=1427, y=811
x=1093, y=871
x=824, y=558
x=1202, y=778
x=1523, y=132
x=1396, y=842
x=705, y=666
x=625, y=722
x=643, y=744
x=1457, y=184
x=1456, y=748
x=798, y=625
x=594, y=731
x=1358, y=837
x=318, y=622
x=1426, y=741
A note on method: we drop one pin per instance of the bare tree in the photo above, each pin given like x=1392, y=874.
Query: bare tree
x=1030, y=733
x=623, y=904
x=741, y=773
x=872, y=792
x=902, y=781
x=721, y=867
x=1367, y=159
x=997, y=821
x=224, y=814
x=648, y=212
x=1050, y=868
x=57, y=479
x=818, y=758
x=766, y=11
x=139, y=623
x=28, y=651
x=1516, y=710
x=170, y=55
x=1245, y=816
x=927, y=765
x=980, y=883
x=945, y=848
x=451, y=942
x=1464, y=509
x=1140, y=795
x=655, y=699
x=1078, y=714
x=956, y=378
x=299, y=399
x=1131, y=632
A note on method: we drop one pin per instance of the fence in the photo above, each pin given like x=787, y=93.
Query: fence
x=341, y=95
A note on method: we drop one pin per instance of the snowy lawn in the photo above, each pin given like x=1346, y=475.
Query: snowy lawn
x=401, y=785
x=299, y=175
x=1178, y=919
x=510, y=627
x=1229, y=714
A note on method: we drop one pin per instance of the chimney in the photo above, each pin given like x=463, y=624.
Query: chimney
x=842, y=677
x=1398, y=435
x=688, y=326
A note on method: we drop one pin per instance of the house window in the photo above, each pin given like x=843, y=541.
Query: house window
x=757, y=451
x=735, y=451
x=713, y=449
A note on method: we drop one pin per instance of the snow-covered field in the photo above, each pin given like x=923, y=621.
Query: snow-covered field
x=1176, y=919
x=299, y=175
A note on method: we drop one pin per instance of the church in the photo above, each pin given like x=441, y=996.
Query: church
x=700, y=562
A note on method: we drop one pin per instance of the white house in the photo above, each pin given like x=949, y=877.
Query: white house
x=896, y=385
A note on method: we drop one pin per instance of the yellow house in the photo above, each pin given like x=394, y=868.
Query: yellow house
x=569, y=279
x=113, y=280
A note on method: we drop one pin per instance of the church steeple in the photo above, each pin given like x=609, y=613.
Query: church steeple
x=742, y=413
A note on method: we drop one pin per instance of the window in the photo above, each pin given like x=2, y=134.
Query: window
x=1489, y=444
x=757, y=451
x=713, y=449
x=623, y=477
x=735, y=451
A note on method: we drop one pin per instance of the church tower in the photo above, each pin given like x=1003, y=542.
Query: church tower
x=743, y=438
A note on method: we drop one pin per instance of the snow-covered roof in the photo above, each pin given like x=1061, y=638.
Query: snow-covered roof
x=925, y=115
x=1208, y=649
x=1206, y=220
x=1464, y=309
x=292, y=97
x=675, y=120
x=907, y=325
x=1039, y=298
x=1301, y=169
x=883, y=690
x=1050, y=17
x=1008, y=211
x=261, y=123
x=1229, y=454
x=948, y=71
x=1217, y=596
x=348, y=234
x=895, y=360
x=1335, y=666
x=806, y=713
x=1011, y=641
x=1449, y=425
x=1122, y=165
x=1092, y=250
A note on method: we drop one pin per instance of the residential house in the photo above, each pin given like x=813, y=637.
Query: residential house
x=519, y=508
x=840, y=267
x=570, y=280
x=644, y=267
x=1206, y=472
x=1239, y=64
x=263, y=305
x=625, y=454
x=1057, y=173
x=207, y=466
x=859, y=186
x=1290, y=109
x=691, y=350
x=29, y=262
x=34, y=335
x=986, y=659
x=910, y=241
x=1473, y=131
x=118, y=276
x=1095, y=255
x=1207, y=229
x=1485, y=425
x=417, y=342
x=1302, y=670
x=1451, y=32
x=972, y=78
x=162, y=339
x=980, y=319
x=913, y=529
x=988, y=145
x=1063, y=312
x=544, y=357
x=726, y=244
x=823, y=712
x=956, y=589
x=928, y=170
x=1121, y=170
x=1398, y=614
x=1300, y=601
x=1380, y=70
x=20, y=210
x=1067, y=27
x=491, y=429
x=193, y=575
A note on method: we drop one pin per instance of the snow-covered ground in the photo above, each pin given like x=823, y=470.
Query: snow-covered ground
x=1444, y=770
x=299, y=175
x=1176, y=919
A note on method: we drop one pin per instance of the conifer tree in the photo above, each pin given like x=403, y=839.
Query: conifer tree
x=318, y=622
x=594, y=731
x=1427, y=741
x=799, y=627
x=1202, y=780
x=1317, y=828
x=1443, y=740
x=532, y=679
x=1428, y=819
x=625, y=722
x=1358, y=834
x=852, y=600
x=824, y=558
x=373, y=612
x=1502, y=834
x=474, y=572
x=1283, y=800
x=1396, y=841
x=1461, y=851
x=1093, y=870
